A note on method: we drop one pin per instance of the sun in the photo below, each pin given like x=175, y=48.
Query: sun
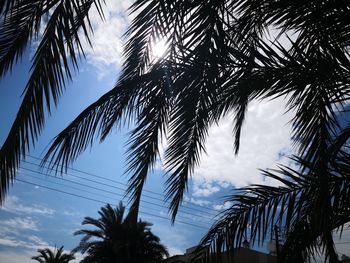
x=159, y=48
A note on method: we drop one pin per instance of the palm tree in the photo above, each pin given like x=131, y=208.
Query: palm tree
x=57, y=256
x=114, y=239
x=305, y=208
x=220, y=56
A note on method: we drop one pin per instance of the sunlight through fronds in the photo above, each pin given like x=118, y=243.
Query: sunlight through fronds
x=188, y=64
x=159, y=48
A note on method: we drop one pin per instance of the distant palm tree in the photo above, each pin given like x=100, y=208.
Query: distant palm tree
x=57, y=256
x=115, y=239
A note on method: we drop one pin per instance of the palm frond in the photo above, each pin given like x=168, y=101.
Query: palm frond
x=119, y=241
x=57, y=52
x=144, y=141
x=325, y=22
x=151, y=24
x=196, y=88
x=7, y=5
x=46, y=255
x=255, y=208
x=313, y=83
x=218, y=60
x=312, y=201
x=18, y=29
x=185, y=146
x=81, y=132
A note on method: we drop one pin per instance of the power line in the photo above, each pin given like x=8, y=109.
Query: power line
x=115, y=181
x=111, y=186
x=108, y=197
x=72, y=187
x=89, y=198
x=88, y=173
x=106, y=191
x=118, y=182
x=103, y=202
x=194, y=206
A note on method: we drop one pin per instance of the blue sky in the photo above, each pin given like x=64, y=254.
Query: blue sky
x=35, y=217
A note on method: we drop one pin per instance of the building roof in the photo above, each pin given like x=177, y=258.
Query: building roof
x=238, y=255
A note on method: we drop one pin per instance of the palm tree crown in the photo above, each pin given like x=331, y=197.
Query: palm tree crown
x=57, y=256
x=220, y=55
x=115, y=239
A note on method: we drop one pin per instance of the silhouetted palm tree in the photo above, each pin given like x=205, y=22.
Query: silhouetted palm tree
x=304, y=209
x=57, y=256
x=218, y=59
x=115, y=239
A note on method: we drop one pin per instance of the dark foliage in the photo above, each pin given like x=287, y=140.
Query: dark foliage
x=58, y=256
x=115, y=239
x=219, y=58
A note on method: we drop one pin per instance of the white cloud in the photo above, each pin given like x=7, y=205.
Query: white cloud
x=204, y=189
x=78, y=257
x=13, y=205
x=107, y=42
x=175, y=251
x=223, y=206
x=9, y=242
x=37, y=241
x=32, y=242
x=15, y=257
x=265, y=138
x=265, y=142
x=17, y=223
x=72, y=213
x=200, y=202
x=223, y=184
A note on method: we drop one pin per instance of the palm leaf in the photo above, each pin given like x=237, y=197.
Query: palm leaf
x=144, y=140
x=50, y=70
x=18, y=29
x=81, y=132
x=310, y=203
x=57, y=256
x=117, y=240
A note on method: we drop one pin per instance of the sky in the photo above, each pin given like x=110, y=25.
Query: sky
x=44, y=210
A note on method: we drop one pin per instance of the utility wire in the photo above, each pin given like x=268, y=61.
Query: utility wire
x=72, y=187
x=203, y=213
x=104, y=190
x=115, y=193
x=115, y=181
x=141, y=212
x=208, y=220
x=103, y=202
x=198, y=208
x=118, y=182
